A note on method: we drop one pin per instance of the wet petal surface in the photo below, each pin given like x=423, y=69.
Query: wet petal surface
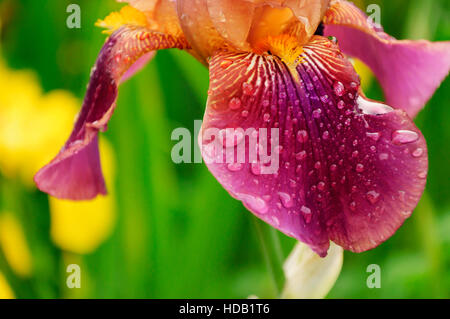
x=409, y=71
x=334, y=166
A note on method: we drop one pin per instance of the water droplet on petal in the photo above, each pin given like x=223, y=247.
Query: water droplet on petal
x=300, y=155
x=234, y=167
x=302, y=136
x=276, y=221
x=359, y=168
x=257, y=204
x=407, y=214
x=404, y=136
x=373, y=196
x=352, y=206
x=286, y=200
x=373, y=108
x=247, y=88
x=316, y=113
x=374, y=136
x=321, y=186
x=340, y=104
x=423, y=175
x=235, y=103
x=306, y=212
x=418, y=152
x=339, y=88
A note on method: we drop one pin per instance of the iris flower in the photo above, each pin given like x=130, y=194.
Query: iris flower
x=351, y=170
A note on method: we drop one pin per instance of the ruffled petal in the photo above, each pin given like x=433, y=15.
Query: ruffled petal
x=409, y=71
x=75, y=173
x=211, y=25
x=306, y=152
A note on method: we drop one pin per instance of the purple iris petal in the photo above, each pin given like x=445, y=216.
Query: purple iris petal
x=75, y=173
x=349, y=170
x=409, y=71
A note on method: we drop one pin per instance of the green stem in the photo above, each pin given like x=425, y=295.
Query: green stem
x=271, y=248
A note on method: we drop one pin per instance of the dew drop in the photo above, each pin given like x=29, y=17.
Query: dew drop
x=247, y=88
x=339, y=88
x=321, y=186
x=423, y=174
x=235, y=103
x=235, y=167
x=302, y=136
x=404, y=137
x=300, y=155
x=340, y=104
x=352, y=206
x=257, y=204
x=374, y=136
x=276, y=221
x=373, y=196
x=407, y=214
x=286, y=200
x=306, y=212
x=359, y=168
x=316, y=113
x=418, y=152
x=292, y=183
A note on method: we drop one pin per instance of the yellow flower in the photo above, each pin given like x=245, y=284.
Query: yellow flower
x=14, y=245
x=5, y=290
x=80, y=227
x=32, y=125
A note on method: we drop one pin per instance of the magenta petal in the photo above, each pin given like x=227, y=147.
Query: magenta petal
x=78, y=169
x=409, y=71
x=75, y=173
x=349, y=170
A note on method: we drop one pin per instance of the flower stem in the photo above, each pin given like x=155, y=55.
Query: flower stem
x=271, y=248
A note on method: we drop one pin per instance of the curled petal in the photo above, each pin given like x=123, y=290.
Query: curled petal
x=211, y=25
x=409, y=71
x=320, y=161
x=75, y=173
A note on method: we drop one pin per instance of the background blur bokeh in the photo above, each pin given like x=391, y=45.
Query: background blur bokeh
x=166, y=230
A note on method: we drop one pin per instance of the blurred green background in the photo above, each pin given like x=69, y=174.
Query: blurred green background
x=171, y=231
